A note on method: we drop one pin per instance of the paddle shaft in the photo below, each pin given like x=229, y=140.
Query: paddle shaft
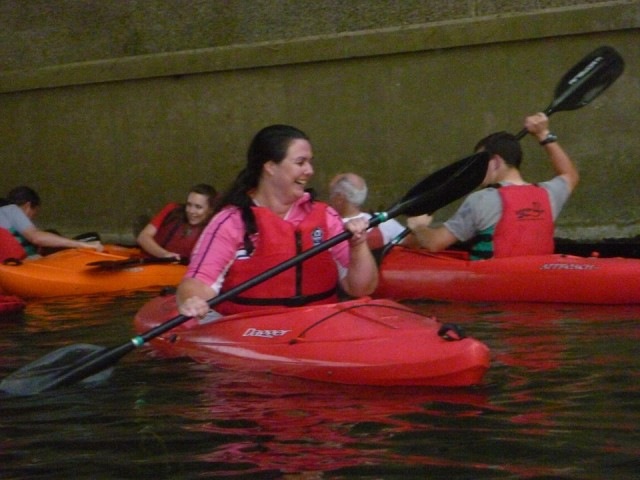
x=548, y=111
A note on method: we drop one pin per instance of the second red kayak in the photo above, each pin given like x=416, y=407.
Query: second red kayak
x=417, y=274
x=364, y=342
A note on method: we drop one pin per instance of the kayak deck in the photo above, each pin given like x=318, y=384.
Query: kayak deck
x=364, y=341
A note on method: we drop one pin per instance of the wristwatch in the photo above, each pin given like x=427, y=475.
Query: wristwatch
x=550, y=138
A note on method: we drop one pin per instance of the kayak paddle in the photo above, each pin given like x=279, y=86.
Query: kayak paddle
x=578, y=87
x=585, y=81
x=90, y=364
x=131, y=262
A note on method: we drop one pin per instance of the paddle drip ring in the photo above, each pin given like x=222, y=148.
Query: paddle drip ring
x=446, y=330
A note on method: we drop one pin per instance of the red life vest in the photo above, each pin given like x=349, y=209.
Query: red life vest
x=526, y=224
x=311, y=282
x=10, y=247
x=177, y=236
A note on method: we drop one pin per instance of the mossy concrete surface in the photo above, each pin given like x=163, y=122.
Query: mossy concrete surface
x=107, y=133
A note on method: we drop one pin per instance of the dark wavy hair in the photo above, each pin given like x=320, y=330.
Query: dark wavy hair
x=269, y=144
x=504, y=144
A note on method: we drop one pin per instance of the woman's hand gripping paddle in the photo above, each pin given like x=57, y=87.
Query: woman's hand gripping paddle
x=90, y=363
x=578, y=87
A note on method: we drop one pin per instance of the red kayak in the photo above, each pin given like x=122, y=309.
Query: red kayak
x=418, y=274
x=10, y=304
x=363, y=341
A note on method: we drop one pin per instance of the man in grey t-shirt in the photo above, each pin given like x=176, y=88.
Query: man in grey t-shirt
x=24, y=203
x=482, y=210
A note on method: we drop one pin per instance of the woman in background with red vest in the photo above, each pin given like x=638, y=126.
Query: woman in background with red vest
x=174, y=231
x=268, y=217
x=510, y=217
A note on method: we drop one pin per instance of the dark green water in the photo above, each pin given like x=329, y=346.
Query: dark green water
x=561, y=401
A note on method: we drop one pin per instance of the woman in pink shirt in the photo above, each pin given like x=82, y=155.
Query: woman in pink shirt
x=266, y=218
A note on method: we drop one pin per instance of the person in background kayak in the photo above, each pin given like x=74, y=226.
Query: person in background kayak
x=19, y=237
x=266, y=218
x=347, y=194
x=174, y=231
x=510, y=217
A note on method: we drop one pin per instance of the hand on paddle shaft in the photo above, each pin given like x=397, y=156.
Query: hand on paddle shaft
x=578, y=87
x=88, y=363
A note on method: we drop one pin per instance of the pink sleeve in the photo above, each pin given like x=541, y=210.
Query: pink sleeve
x=159, y=218
x=216, y=248
x=335, y=224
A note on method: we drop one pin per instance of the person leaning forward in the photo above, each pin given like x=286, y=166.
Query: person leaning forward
x=267, y=217
x=19, y=237
x=510, y=217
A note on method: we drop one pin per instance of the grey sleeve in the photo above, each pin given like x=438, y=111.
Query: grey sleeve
x=558, y=194
x=12, y=217
x=479, y=211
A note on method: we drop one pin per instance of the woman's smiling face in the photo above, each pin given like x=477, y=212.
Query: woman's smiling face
x=198, y=208
x=292, y=174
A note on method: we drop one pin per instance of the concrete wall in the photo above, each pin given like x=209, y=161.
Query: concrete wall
x=39, y=33
x=111, y=109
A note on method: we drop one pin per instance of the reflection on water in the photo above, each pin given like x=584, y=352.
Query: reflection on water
x=561, y=400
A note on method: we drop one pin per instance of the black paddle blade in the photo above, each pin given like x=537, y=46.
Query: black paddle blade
x=588, y=79
x=444, y=186
x=585, y=81
x=439, y=189
x=40, y=375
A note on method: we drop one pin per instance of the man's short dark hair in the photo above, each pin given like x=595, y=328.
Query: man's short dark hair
x=504, y=144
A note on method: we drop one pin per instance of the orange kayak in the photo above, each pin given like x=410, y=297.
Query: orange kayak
x=359, y=342
x=67, y=273
x=556, y=278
